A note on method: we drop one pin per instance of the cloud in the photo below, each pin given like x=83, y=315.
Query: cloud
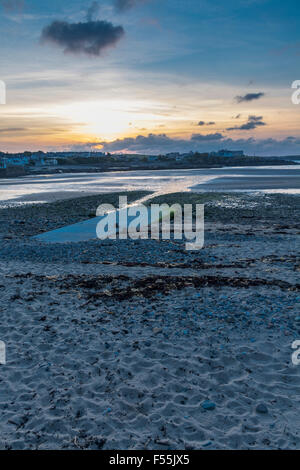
x=92, y=11
x=207, y=137
x=252, y=123
x=124, y=5
x=12, y=5
x=90, y=38
x=249, y=97
x=255, y=118
x=12, y=129
x=160, y=143
x=154, y=144
x=202, y=123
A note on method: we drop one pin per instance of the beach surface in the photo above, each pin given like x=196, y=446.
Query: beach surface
x=144, y=345
x=50, y=188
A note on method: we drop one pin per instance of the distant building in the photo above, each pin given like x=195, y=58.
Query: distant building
x=152, y=158
x=37, y=159
x=3, y=163
x=228, y=153
x=173, y=154
x=17, y=160
x=74, y=154
x=22, y=160
x=187, y=155
x=51, y=161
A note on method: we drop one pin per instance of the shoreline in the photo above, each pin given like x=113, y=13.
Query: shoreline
x=48, y=188
x=226, y=162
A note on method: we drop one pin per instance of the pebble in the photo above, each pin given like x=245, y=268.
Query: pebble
x=157, y=330
x=208, y=405
x=262, y=408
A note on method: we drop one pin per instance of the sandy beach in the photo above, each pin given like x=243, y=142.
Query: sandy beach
x=144, y=345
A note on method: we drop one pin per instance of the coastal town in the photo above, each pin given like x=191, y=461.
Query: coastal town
x=20, y=164
x=45, y=159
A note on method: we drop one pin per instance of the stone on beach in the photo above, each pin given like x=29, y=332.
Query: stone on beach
x=208, y=405
x=262, y=408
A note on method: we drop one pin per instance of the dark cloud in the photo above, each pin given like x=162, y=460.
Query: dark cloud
x=140, y=143
x=92, y=11
x=207, y=137
x=249, y=97
x=255, y=118
x=90, y=38
x=155, y=144
x=6, y=130
x=202, y=123
x=252, y=123
x=161, y=143
x=124, y=5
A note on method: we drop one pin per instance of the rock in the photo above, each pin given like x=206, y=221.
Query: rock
x=157, y=330
x=207, y=444
x=208, y=405
x=262, y=408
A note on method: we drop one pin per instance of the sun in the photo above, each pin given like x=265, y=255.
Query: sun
x=111, y=119
x=104, y=120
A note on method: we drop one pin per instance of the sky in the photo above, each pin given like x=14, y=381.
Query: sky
x=150, y=76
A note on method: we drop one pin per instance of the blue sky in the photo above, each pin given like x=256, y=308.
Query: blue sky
x=167, y=65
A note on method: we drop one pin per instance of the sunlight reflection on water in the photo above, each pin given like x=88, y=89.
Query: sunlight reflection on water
x=45, y=188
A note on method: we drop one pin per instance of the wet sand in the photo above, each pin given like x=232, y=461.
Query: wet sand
x=47, y=188
x=277, y=184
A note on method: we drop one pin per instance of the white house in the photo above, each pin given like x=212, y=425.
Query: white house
x=50, y=161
